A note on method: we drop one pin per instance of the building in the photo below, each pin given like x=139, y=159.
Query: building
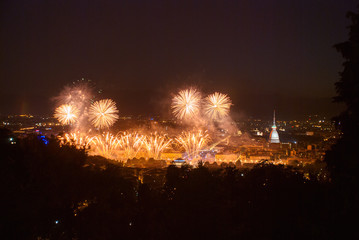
x=274, y=137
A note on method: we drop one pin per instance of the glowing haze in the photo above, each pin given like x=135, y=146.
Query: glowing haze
x=88, y=117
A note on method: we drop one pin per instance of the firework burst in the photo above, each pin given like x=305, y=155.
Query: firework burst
x=66, y=114
x=193, y=142
x=103, y=113
x=155, y=144
x=217, y=105
x=186, y=104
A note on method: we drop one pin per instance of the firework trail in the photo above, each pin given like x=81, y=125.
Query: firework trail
x=103, y=113
x=186, y=104
x=105, y=145
x=155, y=144
x=66, y=114
x=217, y=106
x=193, y=142
x=130, y=144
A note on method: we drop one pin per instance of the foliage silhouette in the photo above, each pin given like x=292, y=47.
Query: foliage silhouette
x=343, y=159
x=60, y=193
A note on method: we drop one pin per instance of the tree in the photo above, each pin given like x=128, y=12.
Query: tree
x=342, y=160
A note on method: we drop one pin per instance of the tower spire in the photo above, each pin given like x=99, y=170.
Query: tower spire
x=274, y=117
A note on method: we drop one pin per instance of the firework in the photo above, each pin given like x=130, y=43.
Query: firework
x=103, y=113
x=217, y=105
x=130, y=144
x=80, y=140
x=186, y=104
x=66, y=114
x=105, y=145
x=193, y=142
x=79, y=93
x=155, y=144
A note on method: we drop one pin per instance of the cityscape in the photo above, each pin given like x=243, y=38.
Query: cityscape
x=295, y=141
x=179, y=119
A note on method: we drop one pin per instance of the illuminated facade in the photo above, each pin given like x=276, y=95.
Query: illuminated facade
x=274, y=137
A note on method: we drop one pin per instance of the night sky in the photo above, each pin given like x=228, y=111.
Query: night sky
x=264, y=54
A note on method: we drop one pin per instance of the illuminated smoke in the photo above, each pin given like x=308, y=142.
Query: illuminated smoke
x=79, y=95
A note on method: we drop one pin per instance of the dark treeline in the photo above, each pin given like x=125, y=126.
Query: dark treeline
x=53, y=192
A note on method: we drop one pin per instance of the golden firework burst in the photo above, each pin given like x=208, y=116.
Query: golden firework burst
x=217, y=105
x=186, y=104
x=66, y=114
x=103, y=113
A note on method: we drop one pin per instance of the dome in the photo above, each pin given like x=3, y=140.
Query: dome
x=274, y=137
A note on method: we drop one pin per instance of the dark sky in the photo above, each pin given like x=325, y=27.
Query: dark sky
x=264, y=54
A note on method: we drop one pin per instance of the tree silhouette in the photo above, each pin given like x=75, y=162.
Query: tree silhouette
x=342, y=160
x=58, y=192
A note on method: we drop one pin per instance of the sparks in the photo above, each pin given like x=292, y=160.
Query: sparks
x=66, y=114
x=77, y=139
x=130, y=144
x=193, y=142
x=217, y=105
x=105, y=145
x=103, y=113
x=186, y=104
x=155, y=144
